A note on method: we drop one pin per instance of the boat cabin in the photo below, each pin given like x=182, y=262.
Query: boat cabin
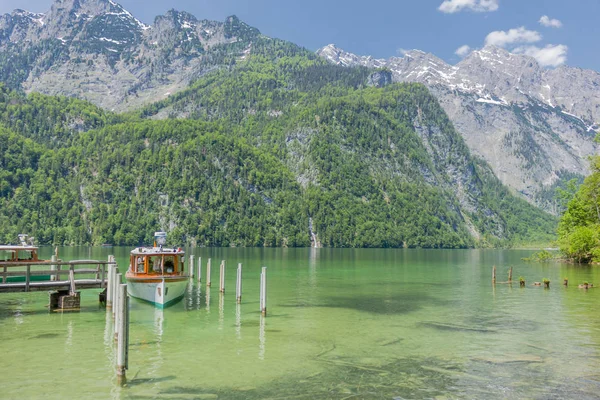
x=16, y=253
x=156, y=261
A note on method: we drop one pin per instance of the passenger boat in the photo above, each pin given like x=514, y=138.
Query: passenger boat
x=25, y=253
x=156, y=274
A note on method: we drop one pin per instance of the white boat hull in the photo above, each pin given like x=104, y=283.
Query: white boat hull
x=160, y=292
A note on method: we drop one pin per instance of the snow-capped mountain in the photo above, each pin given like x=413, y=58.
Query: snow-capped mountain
x=534, y=126
x=97, y=50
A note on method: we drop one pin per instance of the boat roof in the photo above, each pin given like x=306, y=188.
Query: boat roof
x=9, y=247
x=157, y=251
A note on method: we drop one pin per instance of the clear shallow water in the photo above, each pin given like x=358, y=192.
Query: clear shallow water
x=381, y=324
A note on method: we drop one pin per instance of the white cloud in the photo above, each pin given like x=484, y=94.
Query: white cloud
x=517, y=35
x=549, y=56
x=550, y=22
x=452, y=6
x=463, y=50
x=402, y=51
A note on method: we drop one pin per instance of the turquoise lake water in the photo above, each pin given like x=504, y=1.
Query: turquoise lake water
x=341, y=324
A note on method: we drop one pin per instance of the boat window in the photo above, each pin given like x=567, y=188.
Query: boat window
x=25, y=255
x=169, y=264
x=156, y=263
x=139, y=265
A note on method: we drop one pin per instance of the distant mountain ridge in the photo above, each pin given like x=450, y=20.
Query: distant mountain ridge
x=534, y=126
x=97, y=50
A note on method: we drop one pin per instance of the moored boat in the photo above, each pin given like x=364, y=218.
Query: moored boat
x=156, y=274
x=25, y=253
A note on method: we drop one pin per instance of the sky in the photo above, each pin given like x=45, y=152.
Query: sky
x=555, y=32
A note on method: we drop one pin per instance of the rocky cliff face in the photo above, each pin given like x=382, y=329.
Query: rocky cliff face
x=96, y=50
x=532, y=125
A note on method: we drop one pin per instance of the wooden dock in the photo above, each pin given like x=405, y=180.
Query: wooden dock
x=55, y=275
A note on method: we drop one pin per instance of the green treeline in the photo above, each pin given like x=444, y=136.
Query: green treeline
x=247, y=156
x=579, y=227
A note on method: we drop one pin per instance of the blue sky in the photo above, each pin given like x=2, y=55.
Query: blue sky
x=383, y=28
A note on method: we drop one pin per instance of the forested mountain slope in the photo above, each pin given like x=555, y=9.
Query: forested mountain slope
x=251, y=154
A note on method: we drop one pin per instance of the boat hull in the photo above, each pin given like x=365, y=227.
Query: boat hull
x=161, y=292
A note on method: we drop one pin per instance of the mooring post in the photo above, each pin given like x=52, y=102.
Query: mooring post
x=510, y=275
x=199, y=276
x=123, y=338
x=27, y=278
x=117, y=304
x=222, y=277
x=116, y=283
x=109, y=285
x=263, y=291
x=110, y=282
x=238, y=284
x=208, y=272
x=494, y=275
x=191, y=266
x=53, y=268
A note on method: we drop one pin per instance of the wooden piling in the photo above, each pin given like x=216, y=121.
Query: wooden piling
x=199, y=276
x=566, y=282
x=109, y=286
x=238, y=284
x=222, y=277
x=53, y=268
x=208, y=272
x=510, y=275
x=117, y=304
x=116, y=283
x=123, y=338
x=191, y=265
x=263, y=291
x=494, y=275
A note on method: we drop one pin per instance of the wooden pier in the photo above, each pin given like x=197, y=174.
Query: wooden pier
x=53, y=275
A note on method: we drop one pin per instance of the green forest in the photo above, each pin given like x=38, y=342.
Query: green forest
x=248, y=155
x=579, y=227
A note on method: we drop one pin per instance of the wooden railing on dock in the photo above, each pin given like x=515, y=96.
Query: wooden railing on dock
x=96, y=279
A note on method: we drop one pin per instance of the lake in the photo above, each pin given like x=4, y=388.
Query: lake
x=341, y=324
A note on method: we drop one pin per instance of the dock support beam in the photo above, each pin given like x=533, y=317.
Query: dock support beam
x=191, y=268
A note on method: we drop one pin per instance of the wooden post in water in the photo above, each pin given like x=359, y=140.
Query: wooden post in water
x=53, y=268
x=123, y=337
x=494, y=275
x=191, y=266
x=208, y=272
x=199, y=276
x=238, y=284
x=27, y=278
x=109, y=286
x=117, y=304
x=116, y=283
x=263, y=291
x=110, y=282
x=510, y=275
x=222, y=277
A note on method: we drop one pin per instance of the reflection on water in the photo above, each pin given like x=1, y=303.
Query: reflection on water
x=262, y=339
x=389, y=324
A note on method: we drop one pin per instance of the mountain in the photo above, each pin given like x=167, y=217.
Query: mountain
x=96, y=50
x=231, y=139
x=534, y=126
